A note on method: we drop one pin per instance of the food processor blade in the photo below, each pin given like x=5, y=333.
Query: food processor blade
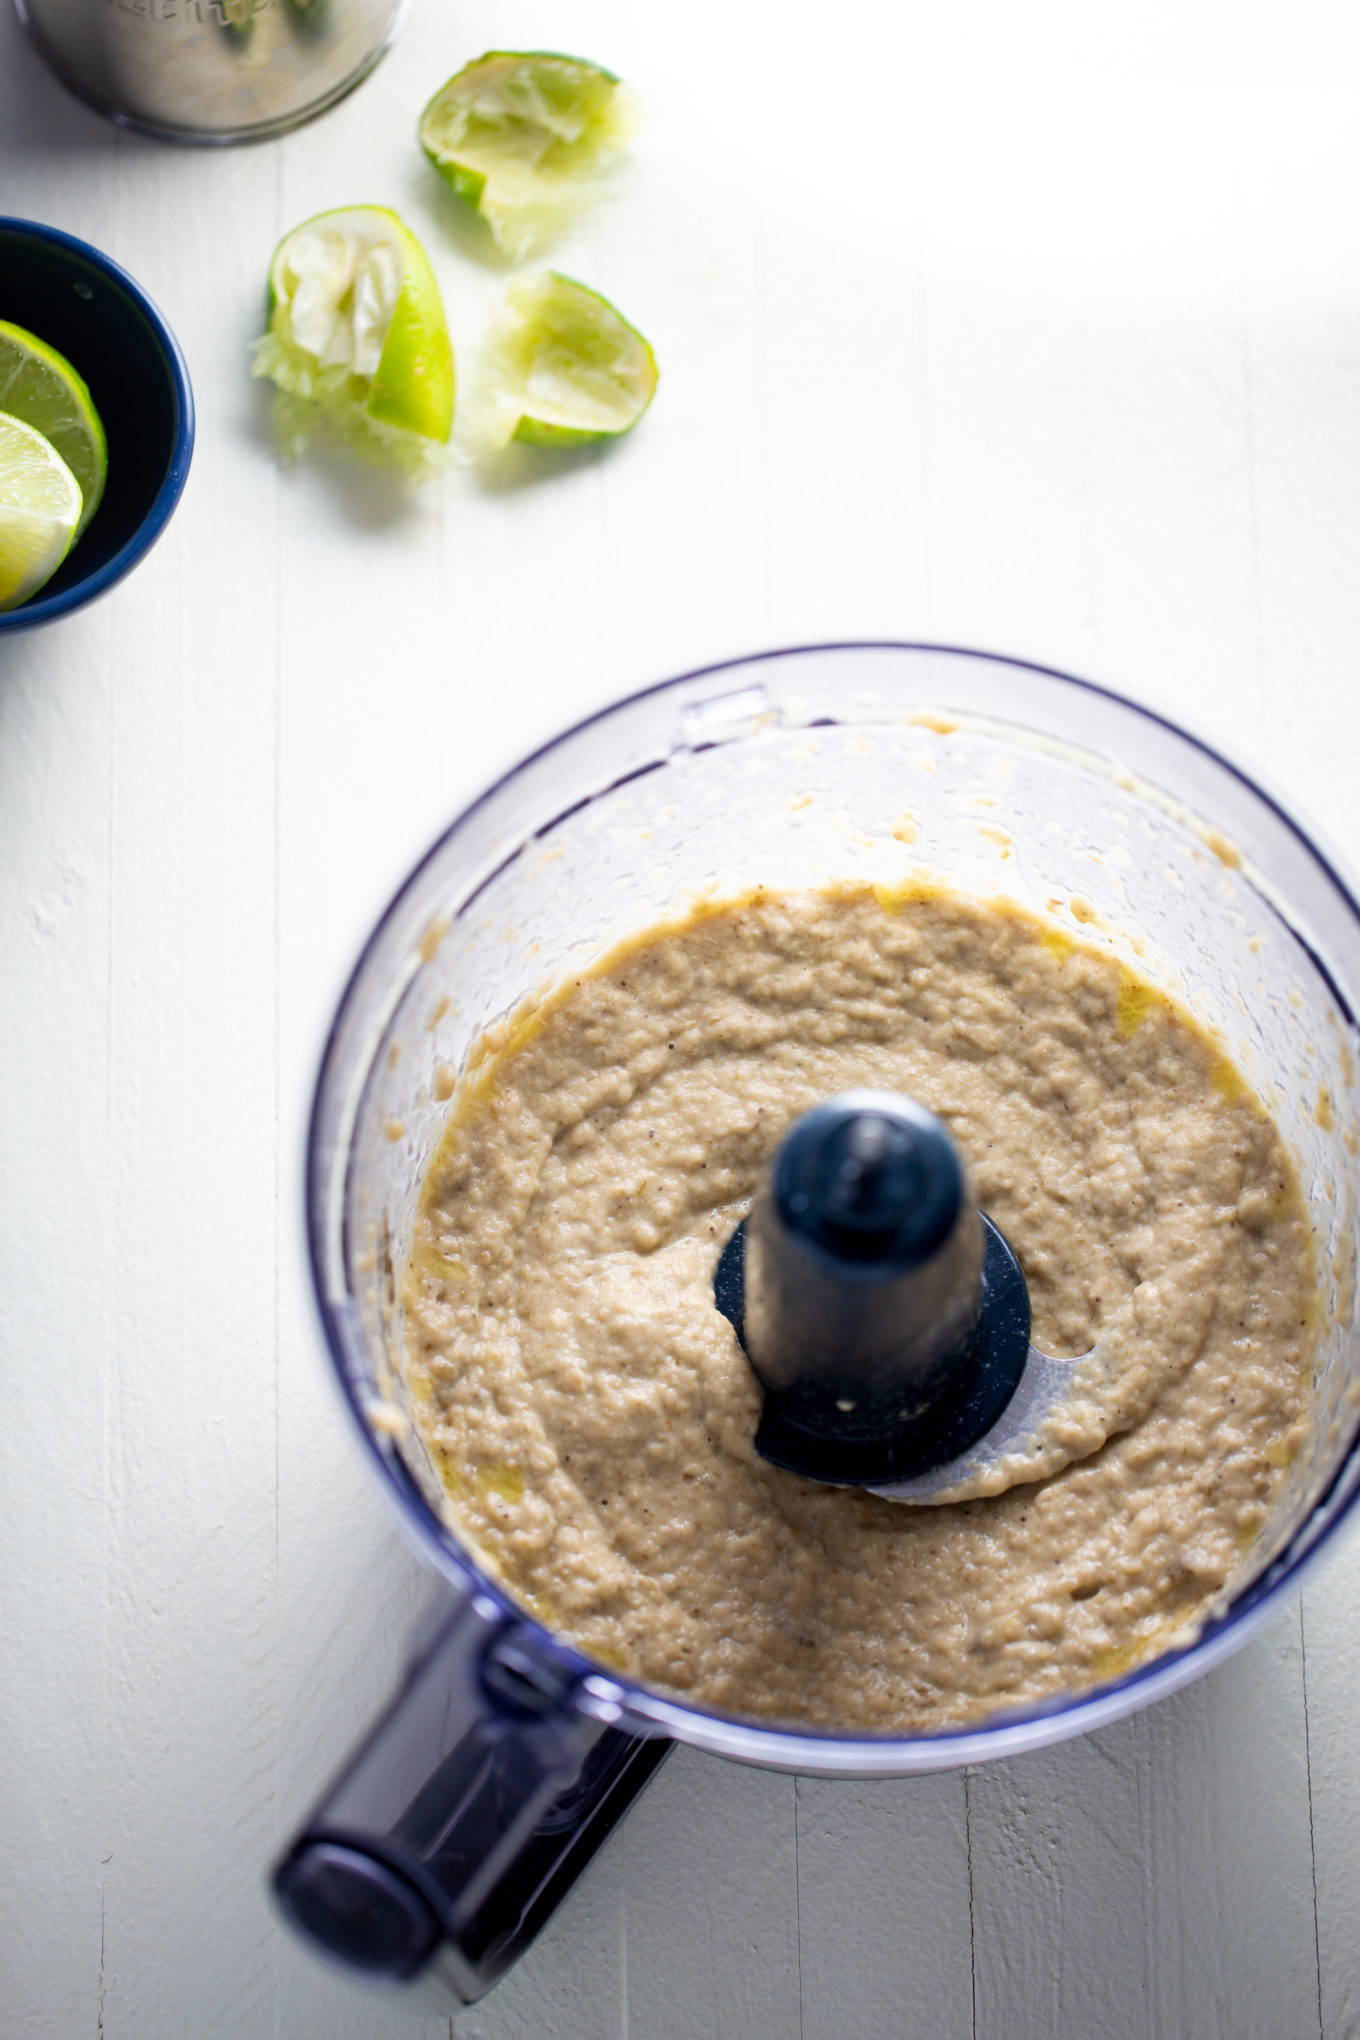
x=886, y=1319
x=1043, y=1384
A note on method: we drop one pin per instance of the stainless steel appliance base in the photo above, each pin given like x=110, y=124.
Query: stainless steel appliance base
x=191, y=137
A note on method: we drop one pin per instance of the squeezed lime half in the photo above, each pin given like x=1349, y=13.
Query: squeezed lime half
x=40, y=505
x=562, y=366
x=357, y=337
x=525, y=138
x=40, y=387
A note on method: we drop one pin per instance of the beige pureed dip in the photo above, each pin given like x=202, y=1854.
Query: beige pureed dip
x=592, y=1413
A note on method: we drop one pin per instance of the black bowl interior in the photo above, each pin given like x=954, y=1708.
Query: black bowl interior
x=91, y=318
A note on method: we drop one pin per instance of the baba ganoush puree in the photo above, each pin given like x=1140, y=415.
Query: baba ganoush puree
x=592, y=1414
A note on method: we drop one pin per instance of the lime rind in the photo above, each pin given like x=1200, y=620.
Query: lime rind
x=40, y=387
x=413, y=383
x=562, y=367
x=527, y=138
x=357, y=340
x=40, y=504
x=466, y=184
x=309, y=400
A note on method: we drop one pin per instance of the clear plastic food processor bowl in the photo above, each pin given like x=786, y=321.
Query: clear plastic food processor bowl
x=789, y=769
x=793, y=768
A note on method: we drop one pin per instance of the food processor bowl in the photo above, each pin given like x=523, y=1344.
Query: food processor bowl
x=508, y=1755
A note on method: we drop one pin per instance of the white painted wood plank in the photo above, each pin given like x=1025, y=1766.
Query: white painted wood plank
x=189, y=1535
x=1058, y=1937
x=1305, y=415
x=1227, y=1849
x=1172, y=532
x=1305, y=421
x=54, y=910
x=349, y=1591
x=712, y=1904
x=573, y=1983
x=1331, y=1643
x=885, y=1909
x=1156, y=1877
x=58, y=1283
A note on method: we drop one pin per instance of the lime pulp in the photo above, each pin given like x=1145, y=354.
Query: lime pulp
x=39, y=386
x=40, y=506
x=525, y=137
x=357, y=336
x=563, y=367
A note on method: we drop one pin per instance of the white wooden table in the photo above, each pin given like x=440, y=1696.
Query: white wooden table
x=1035, y=328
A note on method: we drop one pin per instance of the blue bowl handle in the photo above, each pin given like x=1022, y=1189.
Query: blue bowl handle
x=464, y=1817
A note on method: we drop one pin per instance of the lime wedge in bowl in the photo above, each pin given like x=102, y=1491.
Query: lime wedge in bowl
x=40, y=387
x=562, y=367
x=357, y=337
x=525, y=137
x=40, y=506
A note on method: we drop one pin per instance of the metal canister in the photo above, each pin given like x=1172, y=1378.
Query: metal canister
x=211, y=70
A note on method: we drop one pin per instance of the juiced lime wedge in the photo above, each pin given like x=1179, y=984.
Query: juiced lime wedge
x=39, y=386
x=40, y=504
x=526, y=137
x=562, y=367
x=357, y=336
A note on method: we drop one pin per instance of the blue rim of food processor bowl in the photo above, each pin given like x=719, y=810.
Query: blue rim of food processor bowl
x=135, y=548
x=611, y=1698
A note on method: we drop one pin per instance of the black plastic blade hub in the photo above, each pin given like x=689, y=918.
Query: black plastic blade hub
x=791, y=1434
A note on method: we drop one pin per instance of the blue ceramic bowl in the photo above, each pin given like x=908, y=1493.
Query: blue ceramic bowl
x=107, y=327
